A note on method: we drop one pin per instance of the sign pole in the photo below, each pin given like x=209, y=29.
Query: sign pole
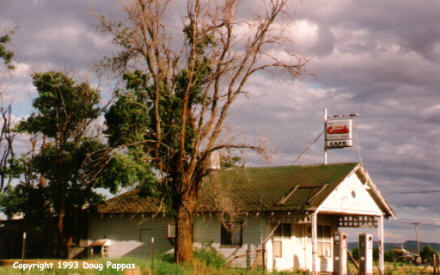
x=325, y=136
x=152, y=254
x=23, y=247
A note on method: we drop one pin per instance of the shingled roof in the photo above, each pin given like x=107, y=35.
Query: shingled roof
x=268, y=188
x=129, y=202
x=285, y=188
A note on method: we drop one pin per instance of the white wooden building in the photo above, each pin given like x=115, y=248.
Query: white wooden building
x=289, y=214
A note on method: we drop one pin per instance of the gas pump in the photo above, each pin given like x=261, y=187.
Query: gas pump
x=365, y=254
x=340, y=253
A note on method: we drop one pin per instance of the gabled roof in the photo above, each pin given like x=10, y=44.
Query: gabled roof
x=285, y=188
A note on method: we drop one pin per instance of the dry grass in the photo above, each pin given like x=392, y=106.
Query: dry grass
x=397, y=269
x=198, y=268
x=402, y=268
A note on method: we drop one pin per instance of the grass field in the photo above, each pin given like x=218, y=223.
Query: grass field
x=124, y=266
x=162, y=266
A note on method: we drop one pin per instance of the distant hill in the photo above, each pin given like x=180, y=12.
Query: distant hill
x=408, y=245
x=413, y=245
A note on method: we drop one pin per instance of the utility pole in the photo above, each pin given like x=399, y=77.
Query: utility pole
x=417, y=236
x=325, y=129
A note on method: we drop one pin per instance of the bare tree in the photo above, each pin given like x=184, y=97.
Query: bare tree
x=7, y=155
x=233, y=49
x=6, y=123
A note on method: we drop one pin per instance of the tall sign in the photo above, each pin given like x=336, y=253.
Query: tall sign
x=338, y=131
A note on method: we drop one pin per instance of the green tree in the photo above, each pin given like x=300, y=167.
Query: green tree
x=390, y=256
x=427, y=253
x=176, y=100
x=64, y=112
x=60, y=178
x=227, y=161
x=375, y=254
x=6, y=54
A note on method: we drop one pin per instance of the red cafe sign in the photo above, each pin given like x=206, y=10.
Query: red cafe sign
x=338, y=130
x=338, y=133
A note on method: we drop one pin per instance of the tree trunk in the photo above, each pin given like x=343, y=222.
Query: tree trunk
x=184, y=227
x=68, y=244
x=60, y=230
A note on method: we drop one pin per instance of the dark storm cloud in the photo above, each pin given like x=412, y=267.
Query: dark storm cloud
x=376, y=62
x=57, y=34
x=376, y=58
x=413, y=24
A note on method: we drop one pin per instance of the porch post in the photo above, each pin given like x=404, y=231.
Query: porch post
x=381, y=244
x=314, y=243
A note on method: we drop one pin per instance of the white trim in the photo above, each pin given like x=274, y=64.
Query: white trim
x=376, y=192
x=314, y=242
x=349, y=212
x=380, y=236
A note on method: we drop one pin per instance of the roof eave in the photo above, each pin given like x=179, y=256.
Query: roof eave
x=389, y=212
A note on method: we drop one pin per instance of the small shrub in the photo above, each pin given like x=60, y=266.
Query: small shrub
x=163, y=267
x=390, y=256
x=208, y=255
x=167, y=257
x=355, y=253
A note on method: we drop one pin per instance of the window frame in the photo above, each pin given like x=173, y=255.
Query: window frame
x=228, y=237
x=280, y=232
x=324, y=241
x=283, y=232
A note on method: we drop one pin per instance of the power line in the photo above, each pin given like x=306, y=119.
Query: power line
x=307, y=148
x=416, y=192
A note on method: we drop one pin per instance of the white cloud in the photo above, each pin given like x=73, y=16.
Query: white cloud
x=431, y=111
x=21, y=70
x=62, y=33
x=99, y=40
x=302, y=33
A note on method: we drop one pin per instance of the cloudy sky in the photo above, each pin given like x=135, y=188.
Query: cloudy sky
x=376, y=58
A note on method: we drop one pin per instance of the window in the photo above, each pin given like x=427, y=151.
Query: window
x=277, y=248
x=231, y=234
x=324, y=240
x=283, y=231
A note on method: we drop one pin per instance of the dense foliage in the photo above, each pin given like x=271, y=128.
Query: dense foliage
x=6, y=54
x=427, y=254
x=65, y=167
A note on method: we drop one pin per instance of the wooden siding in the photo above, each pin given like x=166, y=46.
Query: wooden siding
x=207, y=231
x=131, y=236
x=297, y=250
